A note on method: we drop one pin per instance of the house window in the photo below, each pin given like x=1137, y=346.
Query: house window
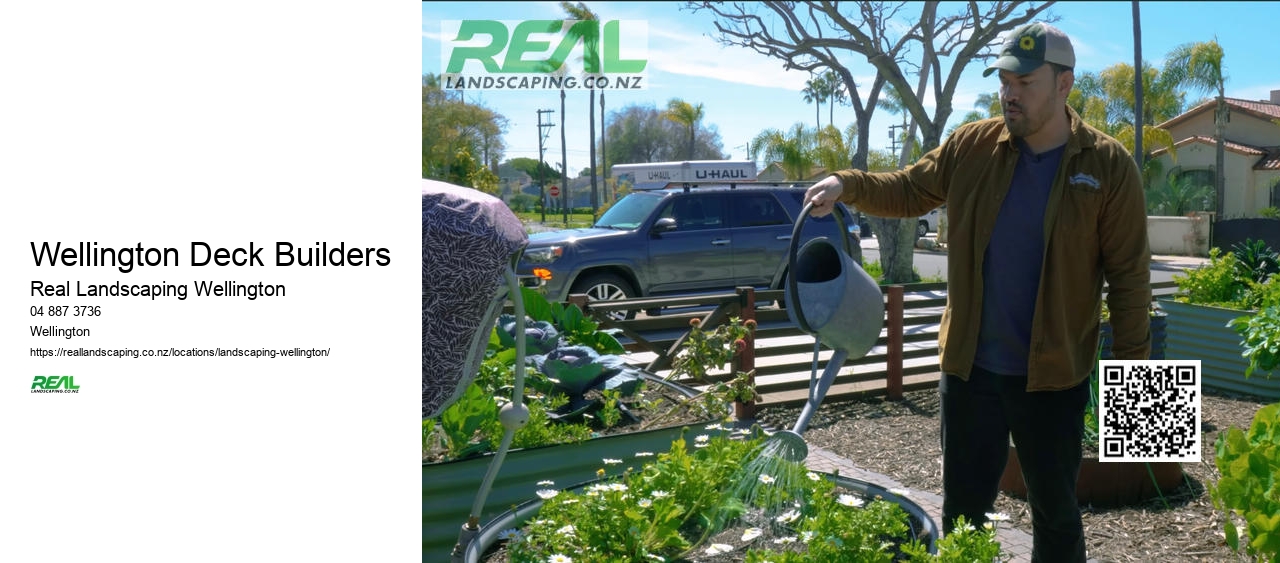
x=1202, y=182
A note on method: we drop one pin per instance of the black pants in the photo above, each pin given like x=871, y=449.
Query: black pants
x=977, y=418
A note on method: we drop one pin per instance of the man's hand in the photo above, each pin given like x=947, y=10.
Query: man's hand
x=824, y=195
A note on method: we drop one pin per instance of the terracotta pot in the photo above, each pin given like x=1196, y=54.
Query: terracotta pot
x=1104, y=484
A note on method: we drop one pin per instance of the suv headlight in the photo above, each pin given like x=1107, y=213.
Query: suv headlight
x=544, y=255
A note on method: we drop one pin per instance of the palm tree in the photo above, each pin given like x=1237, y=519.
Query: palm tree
x=590, y=44
x=836, y=93
x=833, y=151
x=793, y=150
x=814, y=92
x=686, y=114
x=986, y=105
x=990, y=103
x=1199, y=66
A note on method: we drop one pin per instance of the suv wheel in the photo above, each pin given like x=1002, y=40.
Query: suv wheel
x=922, y=229
x=606, y=287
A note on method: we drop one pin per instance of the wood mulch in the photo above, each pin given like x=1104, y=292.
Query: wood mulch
x=901, y=439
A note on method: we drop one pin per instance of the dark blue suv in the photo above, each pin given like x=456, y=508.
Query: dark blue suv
x=678, y=241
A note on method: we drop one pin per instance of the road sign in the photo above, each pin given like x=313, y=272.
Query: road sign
x=554, y=191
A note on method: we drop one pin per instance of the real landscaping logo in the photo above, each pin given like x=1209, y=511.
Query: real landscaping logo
x=544, y=55
x=54, y=384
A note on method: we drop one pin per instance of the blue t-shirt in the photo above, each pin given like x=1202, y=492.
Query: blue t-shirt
x=1012, y=262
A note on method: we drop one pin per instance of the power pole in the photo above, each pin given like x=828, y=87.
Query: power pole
x=542, y=182
x=893, y=137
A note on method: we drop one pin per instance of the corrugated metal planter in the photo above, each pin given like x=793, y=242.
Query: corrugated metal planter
x=1199, y=332
x=519, y=514
x=1159, y=333
x=449, y=488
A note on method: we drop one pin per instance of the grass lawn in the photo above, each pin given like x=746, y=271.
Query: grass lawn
x=576, y=220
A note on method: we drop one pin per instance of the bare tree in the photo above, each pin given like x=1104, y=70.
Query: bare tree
x=822, y=35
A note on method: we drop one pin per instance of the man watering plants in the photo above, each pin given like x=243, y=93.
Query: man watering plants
x=1042, y=209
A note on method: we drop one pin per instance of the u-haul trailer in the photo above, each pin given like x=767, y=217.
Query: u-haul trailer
x=656, y=175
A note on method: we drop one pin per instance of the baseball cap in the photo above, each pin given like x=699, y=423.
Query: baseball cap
x=1032, y=45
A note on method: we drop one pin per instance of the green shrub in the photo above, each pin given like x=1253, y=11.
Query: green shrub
x=1215, y=283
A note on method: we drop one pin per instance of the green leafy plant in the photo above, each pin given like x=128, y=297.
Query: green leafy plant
x=707, y=350
x=1260, y=339
x=741, y=388
x=1255, y=260
x=1249, y=487
x=676, y=505
x=1215, y=283
x=576, y=386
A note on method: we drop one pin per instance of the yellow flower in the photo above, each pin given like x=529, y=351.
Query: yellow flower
x=1027, y=43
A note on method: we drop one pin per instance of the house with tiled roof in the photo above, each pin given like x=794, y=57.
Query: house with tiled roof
x=1252, y=151
x=774, y=173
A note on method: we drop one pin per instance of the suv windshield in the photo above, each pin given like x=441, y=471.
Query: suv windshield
x=630, y=211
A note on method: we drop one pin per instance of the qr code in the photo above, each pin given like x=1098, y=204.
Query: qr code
x=1149, y=410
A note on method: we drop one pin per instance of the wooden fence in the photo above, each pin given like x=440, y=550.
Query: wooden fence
x=904, y=357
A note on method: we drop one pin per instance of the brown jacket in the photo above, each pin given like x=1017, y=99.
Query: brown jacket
x=1095, y=227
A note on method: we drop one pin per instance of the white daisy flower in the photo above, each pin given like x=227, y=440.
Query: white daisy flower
x=567, y=530
x=617, y=487
x=644, y=454
x=751, y=534
x=785, y=540
x=645, y=503
x=546, y=494
x=718, y=548
x=997, y=516
x=702, y=438
x=806, y=537
x=512, y=534
x=546, y=483
x=850, y=500
x=611, y=461
x=715, y=426
x=812, y=476
x=558, y=558
x=660, y=494
x=788, y=517
x=654, y=557
x=767, y=479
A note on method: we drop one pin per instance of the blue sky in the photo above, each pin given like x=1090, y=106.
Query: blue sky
x=744, y=92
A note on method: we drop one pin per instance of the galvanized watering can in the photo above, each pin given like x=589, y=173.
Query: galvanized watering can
x=831, y=297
